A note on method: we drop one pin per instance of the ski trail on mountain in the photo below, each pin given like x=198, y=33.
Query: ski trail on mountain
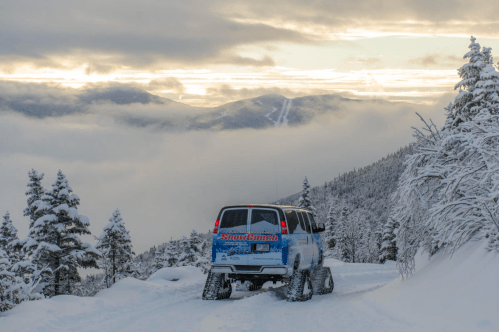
x=283, y=109
x=285, y=117
x=269, y=114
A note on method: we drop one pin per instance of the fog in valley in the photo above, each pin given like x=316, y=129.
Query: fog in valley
x=167, y=183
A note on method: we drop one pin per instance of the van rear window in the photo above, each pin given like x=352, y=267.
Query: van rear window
x=234, y=221
x=264, y=221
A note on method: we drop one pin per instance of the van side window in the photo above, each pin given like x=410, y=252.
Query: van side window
x=312, y=220
x=294, y=226
x=305, y=221
x=234, y=221
x=292, y=221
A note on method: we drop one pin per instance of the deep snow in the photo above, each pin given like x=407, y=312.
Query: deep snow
x=458, y=294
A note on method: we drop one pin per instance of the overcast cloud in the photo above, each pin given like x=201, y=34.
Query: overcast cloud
x=150, y=35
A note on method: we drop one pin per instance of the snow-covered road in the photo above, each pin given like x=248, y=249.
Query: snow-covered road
x=163, y=305
x=458, y=294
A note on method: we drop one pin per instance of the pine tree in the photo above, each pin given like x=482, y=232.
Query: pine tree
x=8, y=236
x=171, y=254
x=187, y=255
x=35, y=193
x=305, y=201
x=340, y=235
x=14, y=289
x=54, y=238
x=159, y=261
x=7, y=282
x=329, y=234
x=352, y=236
x=198, y=246
x=389, y=245
x=466, y=105
x=115, y=245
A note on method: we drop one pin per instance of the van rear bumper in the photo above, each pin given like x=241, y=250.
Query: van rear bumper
x=250, y=269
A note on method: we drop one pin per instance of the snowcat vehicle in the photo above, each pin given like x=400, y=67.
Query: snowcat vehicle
x=253, y=244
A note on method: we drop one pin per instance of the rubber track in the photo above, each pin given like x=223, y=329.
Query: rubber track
x=319, y=278
x=216, y=287
x=297, y=285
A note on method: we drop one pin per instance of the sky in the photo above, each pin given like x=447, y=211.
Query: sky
x=207, y=53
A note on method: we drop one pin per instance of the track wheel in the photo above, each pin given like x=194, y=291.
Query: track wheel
x=216, y=287
x=300, y=286
x=322, y=281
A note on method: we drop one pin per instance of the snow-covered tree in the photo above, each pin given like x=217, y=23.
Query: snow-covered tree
x=170, y=254
x=305, y=201
x=159, y=261
x=448, y=192
x=329, y=235
x=115, y=245
x=465, y=105
x=54, y=238
x=8, y=236
x=389, y=245
x=13, y=288
x=352, y=236
x=188, y=253
x=340, y=234
x=34, y=193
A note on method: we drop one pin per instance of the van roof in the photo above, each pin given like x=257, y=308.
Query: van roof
x=280, y=208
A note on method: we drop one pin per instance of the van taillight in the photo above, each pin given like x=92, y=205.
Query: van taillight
x=215, y=230
x=284, y=228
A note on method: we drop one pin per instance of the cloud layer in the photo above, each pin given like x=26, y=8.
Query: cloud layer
x=167, y=184
x=111, y=34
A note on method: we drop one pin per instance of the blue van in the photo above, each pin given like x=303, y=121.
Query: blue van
x=253, y=244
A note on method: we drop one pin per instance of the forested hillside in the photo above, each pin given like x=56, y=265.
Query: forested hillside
x=356, y=206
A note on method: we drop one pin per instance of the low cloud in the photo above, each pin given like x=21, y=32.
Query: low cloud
x=166, y=184
x=437, y=60
x=167, y=83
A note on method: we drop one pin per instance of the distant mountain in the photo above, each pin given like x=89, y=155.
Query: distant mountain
x=257, y=113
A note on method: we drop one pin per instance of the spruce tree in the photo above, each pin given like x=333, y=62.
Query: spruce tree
x=13, y=288
x=54, y=238
x=330, y=234
x=389, y=245
x=8, y=236
x=35, y=193
x=466, y=105
x=198, y=246
x=7, y=282
x=159, y=261
x=171, y=254
x=305, y=201
x=115, y=245
x=187, y=254
x=340, y=235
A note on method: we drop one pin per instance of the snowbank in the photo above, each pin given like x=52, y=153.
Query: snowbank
x=458, y=293
x=180, y=275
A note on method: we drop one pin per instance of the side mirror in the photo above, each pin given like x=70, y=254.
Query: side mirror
x=320, y=228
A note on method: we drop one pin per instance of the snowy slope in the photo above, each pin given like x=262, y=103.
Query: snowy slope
x=460, y=294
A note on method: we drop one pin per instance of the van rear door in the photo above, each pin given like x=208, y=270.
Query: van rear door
x=229, y=245
x=265, y=237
